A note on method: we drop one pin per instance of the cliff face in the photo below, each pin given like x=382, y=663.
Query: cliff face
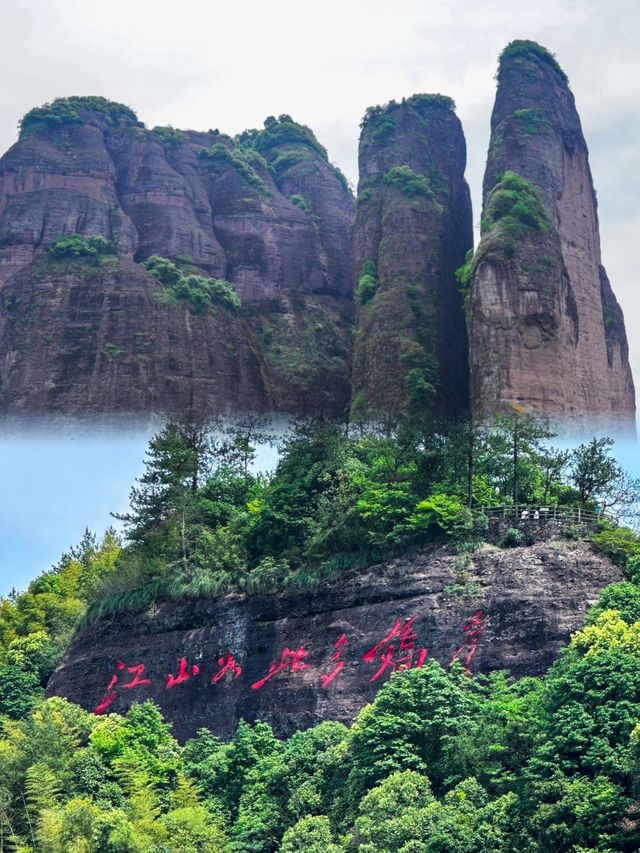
x=545, y=329
x=296, y=659
x=265, y=211
x=412, y=231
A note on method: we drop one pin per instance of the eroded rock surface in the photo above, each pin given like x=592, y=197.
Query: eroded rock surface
x=532, y=599
x=412, y=231
x=266, y=212
x=546, y=331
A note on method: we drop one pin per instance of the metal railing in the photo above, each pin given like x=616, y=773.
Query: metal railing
x=541, y=512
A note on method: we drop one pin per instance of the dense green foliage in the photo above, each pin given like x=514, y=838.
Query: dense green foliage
x=523, y=48
x=300, y=201
x=170, y=137
x=367, y=283
x=404, y=180
x=281, y=131
x=203, y=522
x=89, y=250
x=201, y=295
x=517, y=206
x=531, y=121
x=242, y=160
x=285, y=144
x=408, y=182
x=66, y=112
x=378, y=117
x=440, y=762
x=463, y=273
x=619, y=543
x=36, y=625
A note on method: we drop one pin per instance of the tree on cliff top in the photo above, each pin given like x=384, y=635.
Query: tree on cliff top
x=599, y=479
x=178, y=458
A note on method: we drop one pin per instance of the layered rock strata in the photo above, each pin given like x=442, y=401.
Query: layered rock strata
x=412, y=231
x=546, y=332
x=265, y=211
x=295, y=659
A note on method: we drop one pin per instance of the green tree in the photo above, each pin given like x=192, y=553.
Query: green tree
x=593, y=469
x=311, y=834
x=19, y=691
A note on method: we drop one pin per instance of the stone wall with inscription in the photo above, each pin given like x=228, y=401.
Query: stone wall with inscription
x=295, y=659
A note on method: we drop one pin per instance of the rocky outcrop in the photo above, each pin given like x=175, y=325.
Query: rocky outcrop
x=265, y=211
x=545, y=329
x=79, y=339
x=413, y=229
x=294, y=659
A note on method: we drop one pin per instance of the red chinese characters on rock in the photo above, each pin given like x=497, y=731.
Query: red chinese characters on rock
x=398, y=650
x=401, y=639
x=227, y=666
x=184, y=674
x=337, y=658
x=473, y=630
x=288, y=658
x=110, y=695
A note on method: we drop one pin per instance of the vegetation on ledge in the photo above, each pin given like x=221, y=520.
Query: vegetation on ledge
x=523, y=48
x=285, y=144
x=201, y=295
x=66, y=112
x=517, y=206
x=220, y=156
x=367, y=286
x=403, y=179
x=88, y=250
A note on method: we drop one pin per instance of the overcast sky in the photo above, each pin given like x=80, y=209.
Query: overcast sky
x=204, y=64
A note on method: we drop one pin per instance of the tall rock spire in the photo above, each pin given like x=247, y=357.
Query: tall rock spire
x=413, y=229
x=545, y=329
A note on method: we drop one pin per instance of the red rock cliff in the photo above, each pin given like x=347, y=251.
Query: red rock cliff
x=265, y=211
x=287, y=648
x=545, y=329
x=412, y=230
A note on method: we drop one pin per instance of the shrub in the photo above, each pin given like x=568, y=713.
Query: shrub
x=517, y=205
x=532, y=121
x=202, y=294
x=75, y=247
x=463, y=273
x=620, y=544
x=169, y=136
x=219, y=157
x=511, y=539
x=633, y=569
x=401, y=178
x=285, y=131
x=287, y=160
x=19, y=691
x=367, y=283
x=379, y=114
x=408, y=182
x=301, y=202
x=65, y=112
x=163, y=270
x=441, y=514
x=521, y=48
